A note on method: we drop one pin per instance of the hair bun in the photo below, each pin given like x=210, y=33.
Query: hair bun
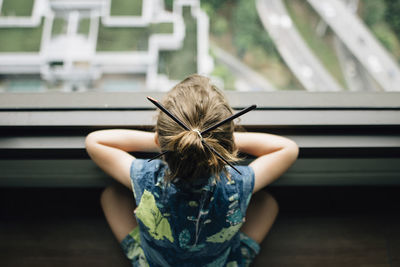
x=189, y=143
x=199, y=105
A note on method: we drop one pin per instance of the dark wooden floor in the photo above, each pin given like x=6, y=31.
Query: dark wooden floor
x=316, y=227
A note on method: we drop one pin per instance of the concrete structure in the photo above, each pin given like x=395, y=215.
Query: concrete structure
x=72, y=58
x=356, y=76
x=361, y=42
x=246, y=78
x=293, y=49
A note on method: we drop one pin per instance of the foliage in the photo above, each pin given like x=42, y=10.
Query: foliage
x=235, y=27
x=126, y=8
x=183, y=62
x=220, y=26
x=17, y=7
x=165, y=27
x=122, y=39
x=384, y=36
x=223, y=72
x=388, y=38
x=169, y=4
x=59, y=26
x=84, y=26
x=383, y=18
x=373, y=11
x=248, y=30
x=215, y=4
x=305, y=19
x=20, y=39
x=392, y=15
x=128, y=38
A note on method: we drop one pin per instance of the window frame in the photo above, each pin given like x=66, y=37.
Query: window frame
x=345, y=138
x=96, y=100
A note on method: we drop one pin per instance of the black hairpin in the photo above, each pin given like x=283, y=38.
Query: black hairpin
x=220, y=156
x=155, y=102
x=184, y=126
x=232, y=117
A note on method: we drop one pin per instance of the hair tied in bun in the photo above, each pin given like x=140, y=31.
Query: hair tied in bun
x=200, y=134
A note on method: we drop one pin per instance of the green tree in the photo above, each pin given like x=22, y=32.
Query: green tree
x=392, y=15
x=248, y=29
x=168, y=4
x=217, y=3
x=219, y=25
x=373, y=11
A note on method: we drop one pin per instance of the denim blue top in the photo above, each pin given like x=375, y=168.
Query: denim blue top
x=196, y=225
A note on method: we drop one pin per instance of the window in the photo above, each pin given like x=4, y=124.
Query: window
x=85, y=66
x=114, y=45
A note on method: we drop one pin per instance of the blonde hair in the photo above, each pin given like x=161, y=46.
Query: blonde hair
x=198, y=104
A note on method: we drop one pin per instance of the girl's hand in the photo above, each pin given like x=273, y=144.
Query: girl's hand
x=108, y=149
x=275, y=155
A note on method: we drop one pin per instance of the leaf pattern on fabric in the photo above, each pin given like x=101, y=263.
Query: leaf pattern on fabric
x=184, y=238
x=164, y=215
x=225, y=234
x=149, y=214
x=197, y=248
x=234, y=197
x=232, y=264
x=193, y=204
x=135, y=252
x=234, y=217
x=220, y=260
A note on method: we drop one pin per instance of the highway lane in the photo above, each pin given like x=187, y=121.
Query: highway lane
x=253, y=80
x=306, y=67
x=357, y=78
x=362, y=44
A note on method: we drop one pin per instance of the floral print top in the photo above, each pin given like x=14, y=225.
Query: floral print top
x=190, y=225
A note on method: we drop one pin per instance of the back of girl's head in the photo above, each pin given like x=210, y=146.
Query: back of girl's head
x=198, y=104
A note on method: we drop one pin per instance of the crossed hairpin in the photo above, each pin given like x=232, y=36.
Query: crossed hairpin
x=184, y=126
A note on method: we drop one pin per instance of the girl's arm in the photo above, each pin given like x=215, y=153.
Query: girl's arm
x=108, y=149
x=275, y=154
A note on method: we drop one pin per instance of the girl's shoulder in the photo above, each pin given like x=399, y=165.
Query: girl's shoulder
x=146, y=166
x=244, y=179
x=144, y=174
x=235, y=192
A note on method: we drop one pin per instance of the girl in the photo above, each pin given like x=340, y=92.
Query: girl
x=191, y=207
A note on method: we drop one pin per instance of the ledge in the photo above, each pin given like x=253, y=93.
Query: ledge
x=146, y=118
x=137, y=100
x=344, y=138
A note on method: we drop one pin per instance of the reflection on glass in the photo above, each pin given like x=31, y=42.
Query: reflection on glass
x=243, y=45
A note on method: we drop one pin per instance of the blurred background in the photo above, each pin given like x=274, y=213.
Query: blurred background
x=260, y=45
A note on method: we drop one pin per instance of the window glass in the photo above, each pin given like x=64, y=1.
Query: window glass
x=243, y=45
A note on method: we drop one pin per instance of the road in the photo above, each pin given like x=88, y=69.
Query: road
x=306, y=67
x=359, y=40
x=357, y=78
x=253, y=80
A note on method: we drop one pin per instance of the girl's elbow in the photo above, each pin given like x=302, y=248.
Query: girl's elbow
x=294, y=150
x=90, y=140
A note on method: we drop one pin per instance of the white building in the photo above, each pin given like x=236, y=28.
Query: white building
x=70, y=57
